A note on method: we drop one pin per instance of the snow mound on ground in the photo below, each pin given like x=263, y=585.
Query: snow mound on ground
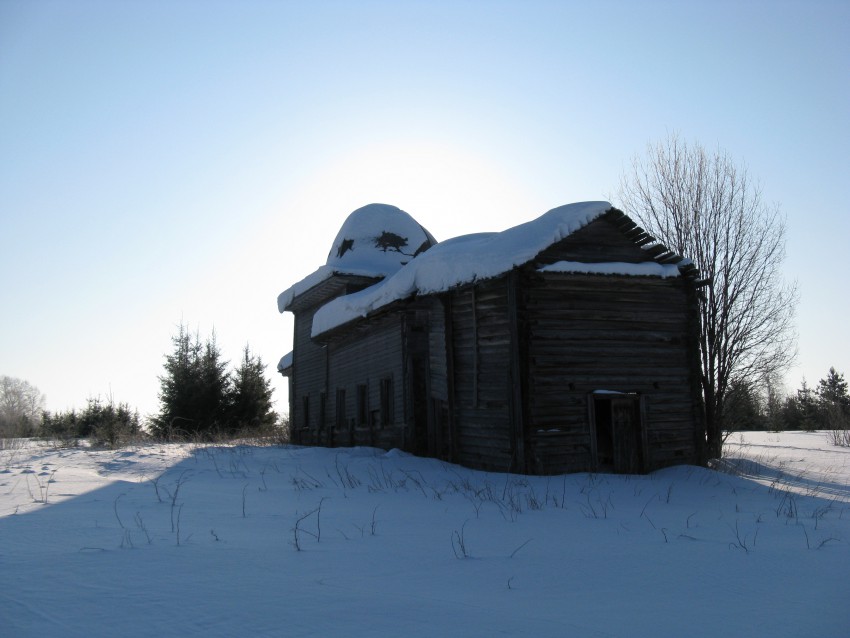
x=238, y=540
x=395, y=453
x=363, y=451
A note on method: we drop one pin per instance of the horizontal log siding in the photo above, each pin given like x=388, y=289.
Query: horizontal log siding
x=440, y=417
x=308, y=379
x=366, y=359
x=309, y=364
x=437, y=351
x=481, y=351
x=589, y=333
x=599, y=241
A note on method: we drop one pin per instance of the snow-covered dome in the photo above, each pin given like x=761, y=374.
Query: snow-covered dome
x=378, y=239
x=374, y=241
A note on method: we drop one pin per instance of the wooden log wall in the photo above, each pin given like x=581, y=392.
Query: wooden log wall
x=599, y=241
x=310, y=365
x=437, y=350
x=505, y=369
x=480, y=348
x=590, y=332
x=309, y=380
x=367, y=358
x=441, y=385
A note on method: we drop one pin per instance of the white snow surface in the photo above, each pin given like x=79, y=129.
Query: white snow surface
x=644, y=269
x=460, y=261
x=358, y=248
x=186, y=540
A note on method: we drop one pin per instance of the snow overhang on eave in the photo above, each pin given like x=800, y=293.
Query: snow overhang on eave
x=312, y=286
x=642, y=269
x=284, y=366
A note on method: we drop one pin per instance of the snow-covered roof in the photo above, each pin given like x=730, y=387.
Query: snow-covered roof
x=374, y=241
x=285, y=362
x=461, y=260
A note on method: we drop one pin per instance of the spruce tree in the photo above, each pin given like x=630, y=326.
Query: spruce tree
x=743, y=411
x=214, y=389
x=250, y=395
x=834, y=401
x=193, y=390
x=833, y=389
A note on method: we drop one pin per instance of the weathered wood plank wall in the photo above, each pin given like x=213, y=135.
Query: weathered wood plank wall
x=481, y=351
x=599, y=241
x=500, y=374
x=367, y=359
x=590, y=332
x=440, y=413
x=309, y=379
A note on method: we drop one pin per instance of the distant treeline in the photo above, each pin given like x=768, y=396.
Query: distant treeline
x=825, y=407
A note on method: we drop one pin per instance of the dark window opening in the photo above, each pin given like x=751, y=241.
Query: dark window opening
x=340, y=408
x=386, y=401
x=305, y=403
x=362, y=405
x=604, y=435
x=440, y=410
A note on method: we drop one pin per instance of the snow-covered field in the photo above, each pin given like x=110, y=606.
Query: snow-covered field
x=181, y=540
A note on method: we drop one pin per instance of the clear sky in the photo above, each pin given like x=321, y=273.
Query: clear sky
x=186, y=161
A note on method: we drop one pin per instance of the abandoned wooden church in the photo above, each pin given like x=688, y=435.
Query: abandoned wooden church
x=568, y=343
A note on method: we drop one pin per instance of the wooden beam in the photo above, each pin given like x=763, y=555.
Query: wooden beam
x=516, y=376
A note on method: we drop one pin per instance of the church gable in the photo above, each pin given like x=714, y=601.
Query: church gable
x=602, y=240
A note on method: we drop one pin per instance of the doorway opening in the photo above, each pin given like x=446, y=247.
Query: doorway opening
x=617, y=433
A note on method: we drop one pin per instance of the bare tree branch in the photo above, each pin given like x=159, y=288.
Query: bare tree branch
x=704, y=207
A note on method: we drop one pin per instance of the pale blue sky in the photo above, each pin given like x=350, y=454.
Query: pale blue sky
x=162, y=161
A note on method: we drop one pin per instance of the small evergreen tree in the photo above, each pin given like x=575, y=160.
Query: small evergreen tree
x=833, y=389
x=800, y=410
x=193, y=390
x=214, y=390
x=250, y=395
x=198, y=397
x=61, y=426
x=106, y=422
x=773, y=415
x=834, y=401
x=743, y=409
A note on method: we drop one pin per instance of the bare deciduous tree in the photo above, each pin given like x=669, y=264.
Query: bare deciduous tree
x=704, y=207
x=21, y=405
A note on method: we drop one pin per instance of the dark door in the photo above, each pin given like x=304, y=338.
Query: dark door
x=618, y=433
x=424, y=439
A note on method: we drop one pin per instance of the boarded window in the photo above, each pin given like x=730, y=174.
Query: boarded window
x=386, y=401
